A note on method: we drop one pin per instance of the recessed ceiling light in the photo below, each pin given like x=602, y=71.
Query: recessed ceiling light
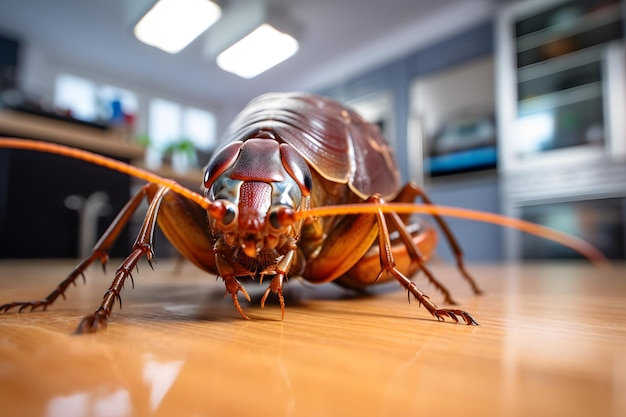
x=171, y=25
x=259, y=51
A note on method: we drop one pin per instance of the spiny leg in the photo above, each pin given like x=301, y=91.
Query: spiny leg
x=226, y=271
x=233, y=287
x=100, y=251
x=423, y=299
x=59, y=290
x=276, y=285
x=143, y=246
x=98, y=319
x=409, y=193
x=417, y=257
x=388, y=264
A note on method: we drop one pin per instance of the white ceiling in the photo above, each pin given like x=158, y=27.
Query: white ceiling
x=338, y=39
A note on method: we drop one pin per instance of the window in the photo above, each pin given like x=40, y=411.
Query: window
x=77, y=96
x=172, y=127
x=164, y=125
x=85, y=100
x=199, y=126
x=116, y=104
x=171, y=123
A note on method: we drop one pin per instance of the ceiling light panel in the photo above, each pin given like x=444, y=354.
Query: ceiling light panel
x=171, y=25
x=259, y=51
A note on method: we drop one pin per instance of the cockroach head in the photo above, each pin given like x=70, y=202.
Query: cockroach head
x=256, y=187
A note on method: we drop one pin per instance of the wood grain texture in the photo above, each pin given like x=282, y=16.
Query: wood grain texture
x=552, y=341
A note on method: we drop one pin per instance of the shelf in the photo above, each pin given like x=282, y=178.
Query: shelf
x=566, y=29
x=577, y=26
x=36, y=127
x=561, y=98
x=561, y=63
x=542, y=82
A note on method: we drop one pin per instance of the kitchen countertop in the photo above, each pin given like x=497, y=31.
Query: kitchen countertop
x=551, y=341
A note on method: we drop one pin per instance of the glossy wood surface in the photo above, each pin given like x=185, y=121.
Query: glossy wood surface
x=552, y=341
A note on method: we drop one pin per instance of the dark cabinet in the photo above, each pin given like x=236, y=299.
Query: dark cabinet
x=44, y=204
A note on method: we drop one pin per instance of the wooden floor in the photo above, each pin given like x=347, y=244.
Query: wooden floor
x=551, y=341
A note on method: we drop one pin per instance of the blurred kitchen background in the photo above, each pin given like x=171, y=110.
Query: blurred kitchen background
x=513, y=107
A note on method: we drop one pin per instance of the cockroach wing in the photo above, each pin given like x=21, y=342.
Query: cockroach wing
x=340, y=145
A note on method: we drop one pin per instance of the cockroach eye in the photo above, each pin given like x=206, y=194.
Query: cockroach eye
x=223, y=211
x=274, y=220
x=281, y=217
x=229, y=215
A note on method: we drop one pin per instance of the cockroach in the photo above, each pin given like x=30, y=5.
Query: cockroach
x=301, y=186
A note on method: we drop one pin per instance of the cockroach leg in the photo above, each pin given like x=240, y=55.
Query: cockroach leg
x=100, y=251
x=58, y=291
x=98, y=319
x=451, y=239
x=233, y=287
x=417, y=257
x=388, y=263
x=423, y=299
x=93, y=322
x=276, y=287
x=142, y=246
x=447, y=297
